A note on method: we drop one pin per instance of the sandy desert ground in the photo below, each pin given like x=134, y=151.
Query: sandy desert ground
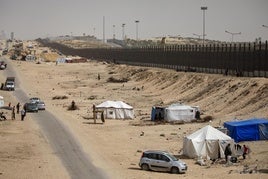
x=116, y=145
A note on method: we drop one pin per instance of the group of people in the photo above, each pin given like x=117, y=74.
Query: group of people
x=13, y=113
x=228, y=151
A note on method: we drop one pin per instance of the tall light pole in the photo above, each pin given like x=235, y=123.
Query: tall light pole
x=94, y=31
x=103, y=35
x=123, y=32
x=137, y=29
x=114, y=32
x=233, y=34
x=204, y=9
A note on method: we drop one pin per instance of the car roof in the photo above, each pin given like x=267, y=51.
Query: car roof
x=35, y=98
x=156, y=151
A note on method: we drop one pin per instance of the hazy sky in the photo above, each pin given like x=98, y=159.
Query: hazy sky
x=30, y=19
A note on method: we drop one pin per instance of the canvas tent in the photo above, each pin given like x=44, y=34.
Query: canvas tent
x=180, y=112
x=1, y=101
x=206, y=142
x=116, y=110
x=248, y=130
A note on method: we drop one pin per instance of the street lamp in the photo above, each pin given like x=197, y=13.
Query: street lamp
x=204, y=9
x=137, y=29
x=123, y=31
x=233, y=34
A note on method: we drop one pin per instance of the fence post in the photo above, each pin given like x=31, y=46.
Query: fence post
x=266, y=58
x=260, y=60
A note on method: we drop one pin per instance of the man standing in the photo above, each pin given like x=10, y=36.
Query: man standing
x=23, y=113
x=13, y=113
x=18, y=108
x=227, y=152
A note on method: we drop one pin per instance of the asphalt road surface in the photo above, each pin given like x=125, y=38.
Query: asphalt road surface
x=76, y=162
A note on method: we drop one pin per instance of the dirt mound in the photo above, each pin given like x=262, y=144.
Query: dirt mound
x=217, y=95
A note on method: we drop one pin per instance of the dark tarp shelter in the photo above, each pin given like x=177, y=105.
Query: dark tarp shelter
x=248, y=130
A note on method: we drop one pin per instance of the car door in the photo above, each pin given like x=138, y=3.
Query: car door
x=159, y=162
x=163, y=163
x=153, y=161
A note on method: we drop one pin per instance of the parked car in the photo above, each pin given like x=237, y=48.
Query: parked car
x=41, y=105
x=31, y=107
x=161, y=161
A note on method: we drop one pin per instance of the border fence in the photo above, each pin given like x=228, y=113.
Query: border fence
x=241, y=59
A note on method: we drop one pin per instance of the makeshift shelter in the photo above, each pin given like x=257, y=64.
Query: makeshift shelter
x=1, y=101
x=180, y=112
x=207, y=142
x=116, y=110
x=157, y=113
x=247, y=130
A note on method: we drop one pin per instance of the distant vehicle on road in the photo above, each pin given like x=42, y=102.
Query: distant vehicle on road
x=3, y=65
x=9, y=84
x=34, y=99
x=5, y=51
x=41, y=105
x=31, y=107
x=161, y=161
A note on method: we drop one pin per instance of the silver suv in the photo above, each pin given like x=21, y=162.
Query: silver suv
x=161, y=161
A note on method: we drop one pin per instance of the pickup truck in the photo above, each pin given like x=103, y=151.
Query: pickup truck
x=10, y=84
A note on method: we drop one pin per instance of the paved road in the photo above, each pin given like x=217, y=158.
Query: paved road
x=60, y=138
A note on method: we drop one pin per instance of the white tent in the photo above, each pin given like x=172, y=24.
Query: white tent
x=180, y=112
x=116, y=110
x=1, y=101
x=206, y=142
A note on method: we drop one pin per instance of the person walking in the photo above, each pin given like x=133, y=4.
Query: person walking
x=18, y=108
x=227, y=152
x=23, y=114
x=13, y=113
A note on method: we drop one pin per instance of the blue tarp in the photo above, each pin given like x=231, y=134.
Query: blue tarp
x=248, y=130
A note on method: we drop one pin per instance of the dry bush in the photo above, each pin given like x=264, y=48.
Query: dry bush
x=59, y=97
x=115, y=80
x=207, y=118
x=92, y=97
x=72, y=108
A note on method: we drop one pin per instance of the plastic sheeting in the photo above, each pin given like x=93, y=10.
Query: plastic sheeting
x=248, y=130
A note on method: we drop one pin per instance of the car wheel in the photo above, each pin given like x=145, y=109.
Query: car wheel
x=174, y=170
x=145, y=166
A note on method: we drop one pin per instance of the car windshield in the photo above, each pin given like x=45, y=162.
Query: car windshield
x=32, y=104
x=172, y=157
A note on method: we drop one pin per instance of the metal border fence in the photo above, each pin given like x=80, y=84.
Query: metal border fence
x=242, y=59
